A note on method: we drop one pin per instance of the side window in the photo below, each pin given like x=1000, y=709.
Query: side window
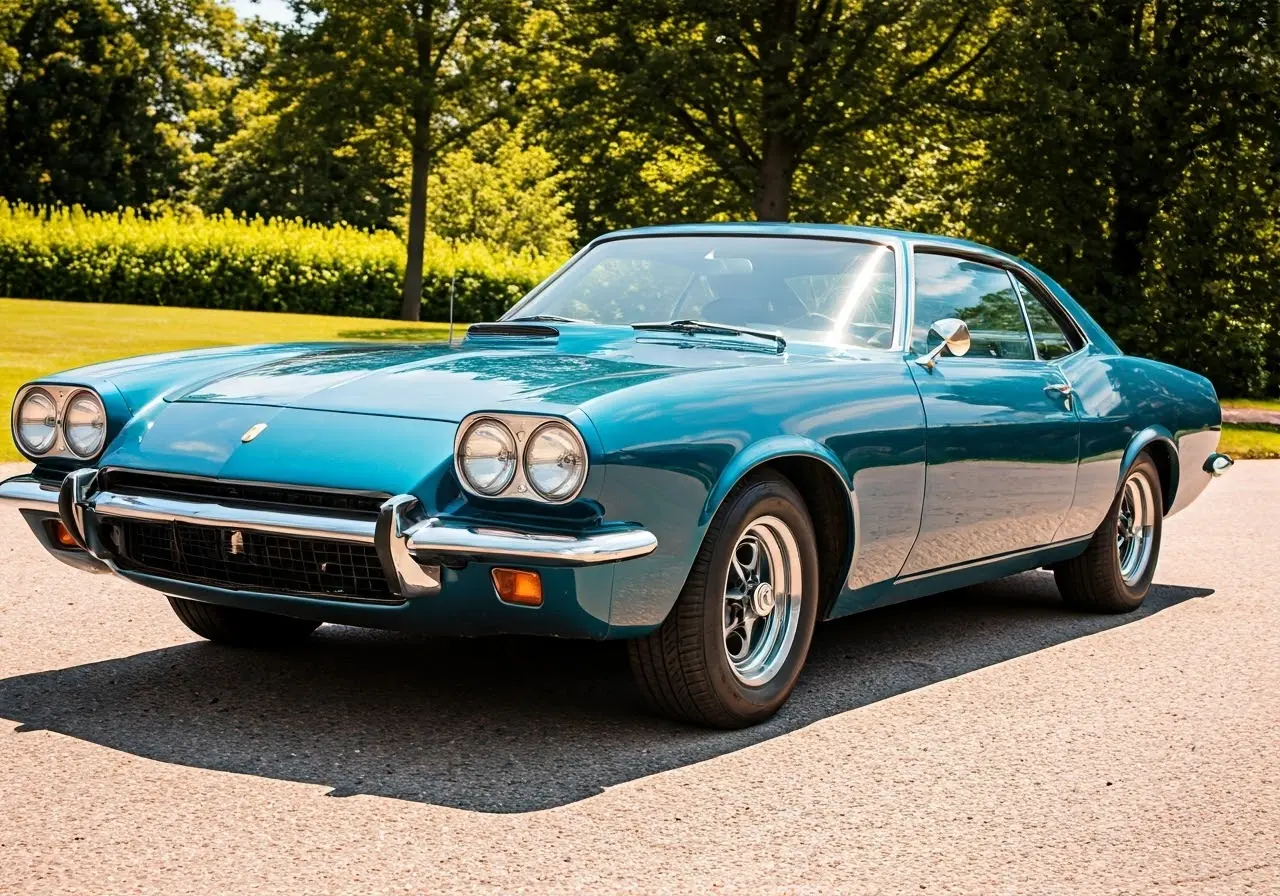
x=980, y=295
x=1053, y=340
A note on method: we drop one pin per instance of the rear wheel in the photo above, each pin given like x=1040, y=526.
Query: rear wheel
x=240, y=628
x=731, y=650
x=1114, y=573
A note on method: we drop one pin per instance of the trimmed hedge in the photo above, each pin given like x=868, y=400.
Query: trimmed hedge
x=196, y=261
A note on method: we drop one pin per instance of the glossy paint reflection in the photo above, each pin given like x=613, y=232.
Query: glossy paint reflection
x=1002, y=459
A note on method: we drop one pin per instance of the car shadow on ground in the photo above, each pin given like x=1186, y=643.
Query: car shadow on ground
x=505, y=724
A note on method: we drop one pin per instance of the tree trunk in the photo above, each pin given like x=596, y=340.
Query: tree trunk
x=1133, y=226
x=777, y=171
x=1123, y=286
x=411, y=293
x=422, y=107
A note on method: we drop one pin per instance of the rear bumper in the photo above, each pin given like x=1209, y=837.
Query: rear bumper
x=419, y=555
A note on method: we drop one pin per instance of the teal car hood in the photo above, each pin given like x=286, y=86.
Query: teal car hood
x=446, y=383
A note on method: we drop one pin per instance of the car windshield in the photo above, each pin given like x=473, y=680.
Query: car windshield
x=814, y=290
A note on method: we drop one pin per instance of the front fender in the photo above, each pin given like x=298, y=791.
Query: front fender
x=762, y=452
x=677, y=505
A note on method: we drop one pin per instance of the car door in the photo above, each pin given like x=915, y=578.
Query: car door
x=1002, y=437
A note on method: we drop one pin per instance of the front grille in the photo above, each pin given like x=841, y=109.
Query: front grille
x=245, y=560
x=135, y=482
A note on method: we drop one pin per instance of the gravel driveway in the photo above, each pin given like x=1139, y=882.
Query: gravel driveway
x=985, y=741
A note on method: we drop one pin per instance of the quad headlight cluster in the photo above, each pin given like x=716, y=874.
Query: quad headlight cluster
x=519, y=456
x=59, y=421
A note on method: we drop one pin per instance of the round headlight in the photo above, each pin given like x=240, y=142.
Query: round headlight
x=554, y=462
x=84, y=424
x=36, y=423
x=487, y=457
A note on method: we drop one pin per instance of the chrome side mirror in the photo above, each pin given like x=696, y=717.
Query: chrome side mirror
x=954, y=334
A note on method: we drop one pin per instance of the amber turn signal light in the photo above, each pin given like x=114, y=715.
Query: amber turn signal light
x=63, y=536
x=518, y=586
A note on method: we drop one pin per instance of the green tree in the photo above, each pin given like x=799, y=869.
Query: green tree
x=756, y=90
x=285, y=156
x=99, y=96
x=78, y=124
x=1126, y=141
x=431, y=71
x=505, y=192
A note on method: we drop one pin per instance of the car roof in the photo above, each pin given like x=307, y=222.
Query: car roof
x=828, y=231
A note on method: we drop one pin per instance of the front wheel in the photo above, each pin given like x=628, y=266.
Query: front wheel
x=729, y=653
x=240, y=628
x=1114, y=573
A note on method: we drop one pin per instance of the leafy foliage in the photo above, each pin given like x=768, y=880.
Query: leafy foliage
x=245, y=264
x=288, y=158
x=506, y=194
x=1131, y=148
x=97, y=99
x=429, y=73
x=757, y=92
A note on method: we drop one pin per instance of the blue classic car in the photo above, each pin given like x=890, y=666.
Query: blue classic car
x=701, y=439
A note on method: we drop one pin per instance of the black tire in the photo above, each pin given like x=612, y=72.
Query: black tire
x=1093, y=582
x=240, y=628
x=682, y=668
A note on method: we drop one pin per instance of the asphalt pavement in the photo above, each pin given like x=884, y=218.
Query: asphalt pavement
x=985, y=741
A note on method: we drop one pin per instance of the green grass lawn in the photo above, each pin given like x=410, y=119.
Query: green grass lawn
x=39, y=337
x=1250, y=440
x=1261, y=404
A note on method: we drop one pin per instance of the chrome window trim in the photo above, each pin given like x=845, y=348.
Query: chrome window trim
x=61, y=396
x=892, y=243
x=976, y=253
x=978, y=258
x=522, y=427
x=1084, y=339
x=1026, y=318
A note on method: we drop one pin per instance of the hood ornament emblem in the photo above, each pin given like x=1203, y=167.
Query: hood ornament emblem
x=253, y=432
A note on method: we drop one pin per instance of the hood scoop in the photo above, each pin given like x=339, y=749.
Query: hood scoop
x=487, y=332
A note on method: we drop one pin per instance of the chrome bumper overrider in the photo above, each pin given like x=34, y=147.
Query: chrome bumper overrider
x=411, y=546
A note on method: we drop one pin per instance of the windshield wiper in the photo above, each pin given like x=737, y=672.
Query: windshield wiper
x=702, y=326
x=552, y=318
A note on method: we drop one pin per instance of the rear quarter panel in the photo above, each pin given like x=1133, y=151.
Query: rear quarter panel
x=1127, y=404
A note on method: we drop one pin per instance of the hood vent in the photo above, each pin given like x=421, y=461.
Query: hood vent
x=518, y=331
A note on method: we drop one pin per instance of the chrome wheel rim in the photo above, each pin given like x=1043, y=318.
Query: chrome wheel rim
x=1134, y=526
x=762, y=593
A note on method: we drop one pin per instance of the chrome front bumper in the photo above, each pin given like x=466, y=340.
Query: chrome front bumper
x=410, y=545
